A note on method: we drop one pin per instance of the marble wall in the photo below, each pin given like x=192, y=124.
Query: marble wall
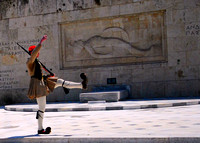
x=151, y=45
x=115, y=40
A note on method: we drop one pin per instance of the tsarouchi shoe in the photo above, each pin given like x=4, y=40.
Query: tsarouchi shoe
x=46, y=131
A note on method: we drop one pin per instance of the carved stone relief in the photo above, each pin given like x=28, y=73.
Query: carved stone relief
x=115, y=40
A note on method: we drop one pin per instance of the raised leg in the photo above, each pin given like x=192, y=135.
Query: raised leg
x=68, y=84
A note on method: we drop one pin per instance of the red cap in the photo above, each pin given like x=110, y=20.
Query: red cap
x=31, y=48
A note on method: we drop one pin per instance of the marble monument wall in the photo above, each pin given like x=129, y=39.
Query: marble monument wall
x=151, y=45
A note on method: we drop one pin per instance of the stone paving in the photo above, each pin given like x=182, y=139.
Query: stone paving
x=171, y=124
x=100, y=105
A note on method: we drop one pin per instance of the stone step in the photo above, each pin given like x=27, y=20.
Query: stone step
x=108, y=96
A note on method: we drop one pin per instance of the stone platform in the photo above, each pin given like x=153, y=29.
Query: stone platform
x=104, y=106
x=109, y=96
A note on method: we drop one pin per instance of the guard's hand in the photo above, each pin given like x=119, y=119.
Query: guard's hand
x=43, y=39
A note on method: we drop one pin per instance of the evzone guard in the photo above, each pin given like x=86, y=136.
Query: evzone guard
x=40, y=86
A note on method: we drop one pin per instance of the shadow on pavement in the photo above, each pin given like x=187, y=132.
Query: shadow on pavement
x=35, y=135
x=15, y=137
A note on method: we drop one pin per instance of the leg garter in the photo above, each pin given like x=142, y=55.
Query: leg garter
x=38, y=115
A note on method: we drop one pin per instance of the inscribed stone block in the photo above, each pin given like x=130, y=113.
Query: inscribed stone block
x=192, y=29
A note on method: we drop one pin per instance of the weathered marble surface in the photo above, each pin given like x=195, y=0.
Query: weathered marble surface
x=105, y=40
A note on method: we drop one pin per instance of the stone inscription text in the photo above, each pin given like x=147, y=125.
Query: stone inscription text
x=7, y=80
x=11, y=53
x=12, y=56
x=192, y=29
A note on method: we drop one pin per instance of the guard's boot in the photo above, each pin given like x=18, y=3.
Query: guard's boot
x=46, y=131
x=85, y=80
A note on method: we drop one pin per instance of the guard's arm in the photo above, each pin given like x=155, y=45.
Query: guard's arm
x=36, y=50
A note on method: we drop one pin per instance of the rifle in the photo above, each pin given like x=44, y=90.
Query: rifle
x=52, y=74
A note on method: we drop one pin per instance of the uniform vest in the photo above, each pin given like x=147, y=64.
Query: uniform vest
x=38, y=71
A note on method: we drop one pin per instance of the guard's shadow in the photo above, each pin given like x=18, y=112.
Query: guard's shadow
x=36, y=135
x=15, y=137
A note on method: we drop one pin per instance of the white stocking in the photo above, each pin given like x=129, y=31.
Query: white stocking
x=41, y=104
x=68, y=84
